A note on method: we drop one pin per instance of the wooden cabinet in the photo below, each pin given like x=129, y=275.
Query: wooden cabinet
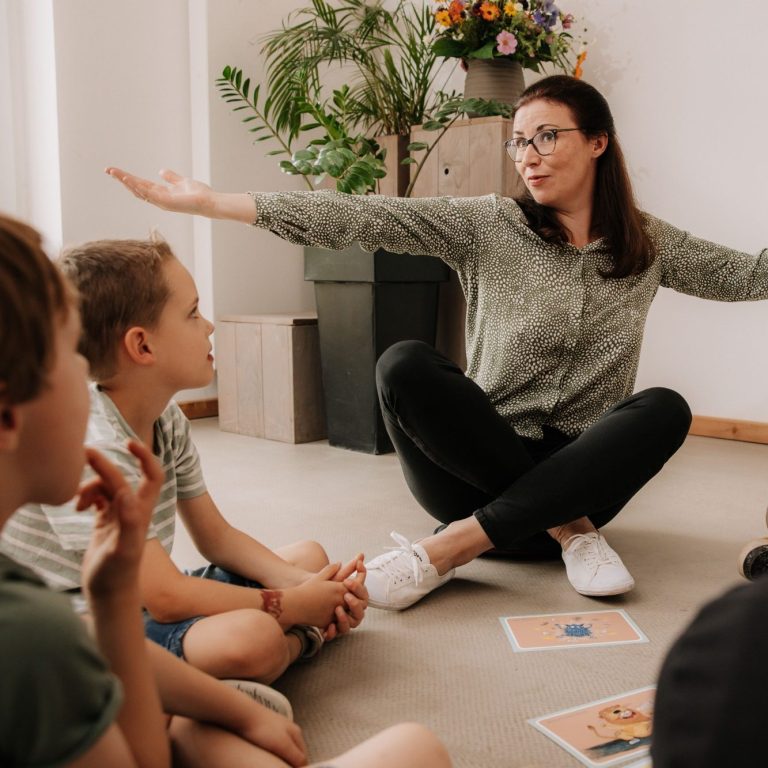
x=468, y=161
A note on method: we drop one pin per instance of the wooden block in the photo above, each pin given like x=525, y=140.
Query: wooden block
x=250, y=396
x=226, y=368
x=269, y=376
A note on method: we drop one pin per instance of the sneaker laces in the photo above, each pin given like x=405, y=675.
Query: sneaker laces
x=402, y=560
x=594, y=551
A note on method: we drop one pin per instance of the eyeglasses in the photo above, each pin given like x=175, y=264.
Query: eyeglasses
x=544, y=142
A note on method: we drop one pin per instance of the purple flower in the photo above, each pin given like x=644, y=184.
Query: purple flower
x=506, y=43
x=546, y=14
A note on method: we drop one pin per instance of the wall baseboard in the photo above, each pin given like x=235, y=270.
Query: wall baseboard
x=701, y=426
x=730, y=429
x=200, y=409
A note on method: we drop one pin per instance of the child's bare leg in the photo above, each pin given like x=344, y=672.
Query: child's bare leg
x=308, y=555
x=199, y=745
x=243, y=644
x=408, y=745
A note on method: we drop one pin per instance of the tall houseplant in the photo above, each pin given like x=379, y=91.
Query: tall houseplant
x=365, y=301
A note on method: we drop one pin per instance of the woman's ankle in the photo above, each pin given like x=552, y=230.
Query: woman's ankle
x=457, y=544
x=562, y=533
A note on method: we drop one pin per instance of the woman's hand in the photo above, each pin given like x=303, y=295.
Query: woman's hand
x=183, y=195
x=122, y=517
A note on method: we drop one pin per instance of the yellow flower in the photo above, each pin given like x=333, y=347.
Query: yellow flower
x=510, y=9
x=443, y=18
x=490, y=11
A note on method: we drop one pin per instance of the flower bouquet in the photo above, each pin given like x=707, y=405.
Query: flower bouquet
x=530, y=32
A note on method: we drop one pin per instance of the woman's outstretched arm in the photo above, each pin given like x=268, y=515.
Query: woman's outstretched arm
x=183, y=195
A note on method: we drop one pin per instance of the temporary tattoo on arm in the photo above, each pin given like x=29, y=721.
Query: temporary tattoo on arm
x=272, y=600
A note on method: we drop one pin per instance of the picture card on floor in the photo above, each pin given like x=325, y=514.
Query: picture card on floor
x=551, y=631
x=605, y=732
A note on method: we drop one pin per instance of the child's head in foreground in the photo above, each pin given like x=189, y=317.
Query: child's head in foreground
x=43, y=390
x=140, y=316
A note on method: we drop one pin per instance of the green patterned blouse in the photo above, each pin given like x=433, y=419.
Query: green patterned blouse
x=549, y=340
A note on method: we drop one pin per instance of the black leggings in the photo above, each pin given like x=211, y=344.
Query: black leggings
x=460, y=457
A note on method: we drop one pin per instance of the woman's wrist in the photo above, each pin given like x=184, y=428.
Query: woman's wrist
x=234, y=206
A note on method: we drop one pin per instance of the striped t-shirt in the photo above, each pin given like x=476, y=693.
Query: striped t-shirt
x=51, y=541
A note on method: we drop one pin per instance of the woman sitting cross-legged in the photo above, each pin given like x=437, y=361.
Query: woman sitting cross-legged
x=541, y=442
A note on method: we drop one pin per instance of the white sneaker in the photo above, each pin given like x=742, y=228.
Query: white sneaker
x=593, y=568
x=264, y=695
x=402, y=577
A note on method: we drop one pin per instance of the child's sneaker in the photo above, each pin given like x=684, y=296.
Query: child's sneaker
x=400, y=578
x=311, y=639
x=264, y=695
x=753, y=559
x=593, y=568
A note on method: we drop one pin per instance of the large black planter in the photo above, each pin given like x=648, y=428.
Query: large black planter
x=365, y=303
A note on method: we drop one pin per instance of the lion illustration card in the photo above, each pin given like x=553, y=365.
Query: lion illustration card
x=605, y=732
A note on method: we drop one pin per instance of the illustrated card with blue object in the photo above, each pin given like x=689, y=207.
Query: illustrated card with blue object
x=553, y=631
x=610, y=731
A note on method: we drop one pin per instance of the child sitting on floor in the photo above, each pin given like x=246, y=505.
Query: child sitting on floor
x=254, y=611
x=59, y=703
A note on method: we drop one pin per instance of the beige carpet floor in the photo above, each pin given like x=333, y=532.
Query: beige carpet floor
x=446, y=662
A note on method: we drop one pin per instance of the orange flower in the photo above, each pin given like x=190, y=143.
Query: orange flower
x=510, y=8
x=443, y=18
x=490, y=11
x=456, y=9
x=578, y=71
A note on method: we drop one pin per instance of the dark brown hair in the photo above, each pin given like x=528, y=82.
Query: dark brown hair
x=615, y=216
x=121, y=285
x=33, y=295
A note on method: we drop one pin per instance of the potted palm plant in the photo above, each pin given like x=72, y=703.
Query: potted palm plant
x=358, y=137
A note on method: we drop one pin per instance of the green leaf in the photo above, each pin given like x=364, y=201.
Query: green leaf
x=486, y=52
x=408, y=161
x=226, y=73
x=448, y=48
x=416, y=146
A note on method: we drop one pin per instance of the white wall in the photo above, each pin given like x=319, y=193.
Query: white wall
x=685, y=82
x=123, y=99
x=686, y=85
x=253, y=270
x=36, y=191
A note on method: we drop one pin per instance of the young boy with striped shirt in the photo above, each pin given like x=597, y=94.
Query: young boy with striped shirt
x=253, y=611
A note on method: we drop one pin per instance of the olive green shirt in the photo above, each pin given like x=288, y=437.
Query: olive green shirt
x=548, y=339
x=57, y=696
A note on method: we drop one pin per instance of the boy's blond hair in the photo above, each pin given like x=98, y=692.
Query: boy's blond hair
x=121, y=285
x=32, y=294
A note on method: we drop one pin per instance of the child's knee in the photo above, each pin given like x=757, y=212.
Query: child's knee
x=314, y=554
x=305, y=554
x=257, y=646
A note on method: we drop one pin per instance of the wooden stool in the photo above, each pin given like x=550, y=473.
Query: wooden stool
x=269, y=377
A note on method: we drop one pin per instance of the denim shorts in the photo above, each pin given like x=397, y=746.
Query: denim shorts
x=171, y=636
